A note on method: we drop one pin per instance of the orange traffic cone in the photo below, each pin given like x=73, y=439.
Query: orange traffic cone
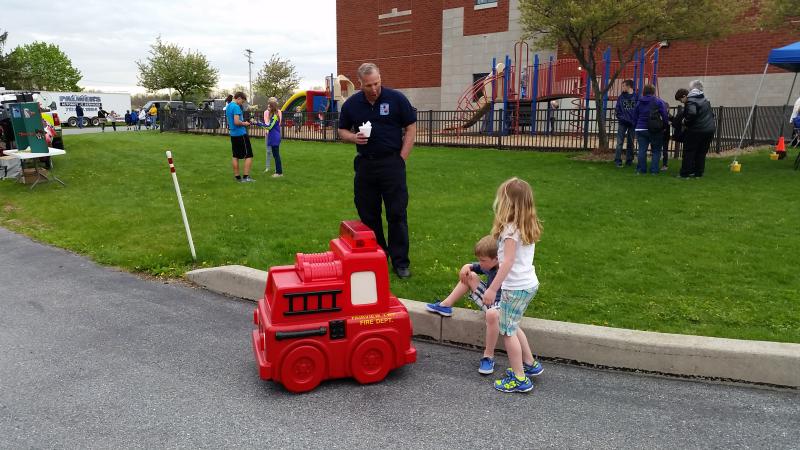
x=780, y=149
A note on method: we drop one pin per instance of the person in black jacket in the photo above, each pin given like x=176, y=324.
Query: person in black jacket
x=79, y=113
x=676, y=120
x=101, y=118
x=700, y=128
x=665, y=147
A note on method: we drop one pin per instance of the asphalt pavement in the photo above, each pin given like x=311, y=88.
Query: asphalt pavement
x=92, y=357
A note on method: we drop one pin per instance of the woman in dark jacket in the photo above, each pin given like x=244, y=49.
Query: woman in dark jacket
x=700, y=128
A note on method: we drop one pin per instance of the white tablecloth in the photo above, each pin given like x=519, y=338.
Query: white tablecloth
x=31, y=155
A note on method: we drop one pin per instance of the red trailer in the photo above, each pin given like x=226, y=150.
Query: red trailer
x=332, y=315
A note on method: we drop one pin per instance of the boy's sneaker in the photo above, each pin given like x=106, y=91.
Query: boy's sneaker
x=445, y=311
x=533, y=370
x=513, y=384
x=487, y=366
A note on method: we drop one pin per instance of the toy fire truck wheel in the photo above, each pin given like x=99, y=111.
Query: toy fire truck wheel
x=371, y=360
x=302, y=369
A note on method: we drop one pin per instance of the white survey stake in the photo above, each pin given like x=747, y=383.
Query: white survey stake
x=180, y=203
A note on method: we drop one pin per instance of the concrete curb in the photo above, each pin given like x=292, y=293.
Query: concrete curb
x=676, y=354
x=236, y=281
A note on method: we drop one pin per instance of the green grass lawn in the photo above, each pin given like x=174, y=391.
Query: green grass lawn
x=715, y=257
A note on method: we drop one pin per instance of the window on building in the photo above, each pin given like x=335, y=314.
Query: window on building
x=363, y=288
x=483, y=4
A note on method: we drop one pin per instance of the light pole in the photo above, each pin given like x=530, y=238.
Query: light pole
x=249, y=54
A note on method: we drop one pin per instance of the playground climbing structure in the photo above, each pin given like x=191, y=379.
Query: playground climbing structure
x=517, y=86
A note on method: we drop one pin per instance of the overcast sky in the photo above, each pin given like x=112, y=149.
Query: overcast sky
x=104, y=39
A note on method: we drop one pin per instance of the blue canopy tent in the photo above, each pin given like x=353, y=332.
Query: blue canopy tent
x=787, y=58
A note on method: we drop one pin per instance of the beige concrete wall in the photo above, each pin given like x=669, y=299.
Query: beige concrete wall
x=463, y=56
x=423, y=99
x=736, y=90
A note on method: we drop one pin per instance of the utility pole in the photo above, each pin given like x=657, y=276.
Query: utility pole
x=249, y=54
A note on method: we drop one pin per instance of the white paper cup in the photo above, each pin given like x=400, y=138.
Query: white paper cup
x=366, y=131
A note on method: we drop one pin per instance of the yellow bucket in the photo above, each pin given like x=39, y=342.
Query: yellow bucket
x=736, y=167
x=773, y=156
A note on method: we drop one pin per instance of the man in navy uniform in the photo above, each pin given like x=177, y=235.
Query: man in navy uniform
x=380, y=165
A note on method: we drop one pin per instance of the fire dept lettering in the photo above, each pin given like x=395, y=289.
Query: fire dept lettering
x=374, y=319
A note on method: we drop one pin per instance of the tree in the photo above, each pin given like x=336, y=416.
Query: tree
x=4, y=69
x=774, y=13
x=586, y=27
x=138, y=100
x=169, y=67
x=41, y=66
x=278, y=78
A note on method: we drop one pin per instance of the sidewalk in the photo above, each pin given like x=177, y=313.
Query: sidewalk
x=771, y=363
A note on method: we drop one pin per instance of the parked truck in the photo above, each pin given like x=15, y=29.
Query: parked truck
x=64, y=103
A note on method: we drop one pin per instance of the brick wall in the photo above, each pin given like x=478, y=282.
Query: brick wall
x=739, y=54
x=407, y=48
x=482, y=21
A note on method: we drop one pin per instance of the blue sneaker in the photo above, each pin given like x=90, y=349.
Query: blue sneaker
x=487, y=366
x=533, y=370
x=513, y=384
x=445, y=311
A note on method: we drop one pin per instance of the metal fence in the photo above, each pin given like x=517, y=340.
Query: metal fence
x=550, y=130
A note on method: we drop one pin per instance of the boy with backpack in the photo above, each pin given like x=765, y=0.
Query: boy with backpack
x=651, y=118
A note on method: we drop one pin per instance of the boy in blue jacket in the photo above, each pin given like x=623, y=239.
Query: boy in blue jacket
x=626, y=103
x=651, y=118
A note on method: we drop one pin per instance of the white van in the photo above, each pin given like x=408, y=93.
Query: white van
x=64, y=103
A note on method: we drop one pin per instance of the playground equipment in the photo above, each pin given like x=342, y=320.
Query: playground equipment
x=332, y=315
x=519, y=86
x=314, y=102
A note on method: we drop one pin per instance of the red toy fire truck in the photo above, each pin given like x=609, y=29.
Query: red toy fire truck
x=331, y=315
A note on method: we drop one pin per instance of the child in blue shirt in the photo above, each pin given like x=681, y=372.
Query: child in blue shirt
x=469, y=281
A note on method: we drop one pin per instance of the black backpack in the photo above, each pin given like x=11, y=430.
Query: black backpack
x=655, y=123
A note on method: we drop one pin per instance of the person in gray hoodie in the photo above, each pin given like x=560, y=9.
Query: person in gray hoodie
x=626, y=103
x=648, y=110
x=700, y=128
